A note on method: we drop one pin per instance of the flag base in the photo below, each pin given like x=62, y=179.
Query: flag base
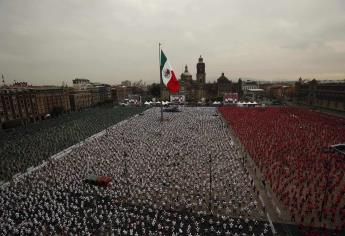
x=164, y=119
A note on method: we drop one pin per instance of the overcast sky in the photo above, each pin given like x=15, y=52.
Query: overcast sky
x=50, y=41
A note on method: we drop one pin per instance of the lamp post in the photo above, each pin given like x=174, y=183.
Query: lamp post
x=126, y=173
x=327, y=168
x=210, y=188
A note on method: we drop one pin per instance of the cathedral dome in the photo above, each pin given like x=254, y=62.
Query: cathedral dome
x=186, y=74
x=222, y=78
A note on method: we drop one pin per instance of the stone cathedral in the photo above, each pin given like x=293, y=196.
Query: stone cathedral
x=194, y=90
x=198, y=90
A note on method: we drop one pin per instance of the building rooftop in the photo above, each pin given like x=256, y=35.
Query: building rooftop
x=331, y=81
x=249, y=82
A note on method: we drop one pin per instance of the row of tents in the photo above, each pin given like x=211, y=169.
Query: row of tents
x=149, y=103
x=217, y=103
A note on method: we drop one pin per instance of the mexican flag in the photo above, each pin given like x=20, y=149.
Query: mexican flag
x=168, y=75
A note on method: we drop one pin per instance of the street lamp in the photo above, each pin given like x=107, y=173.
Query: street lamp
x=210, y=187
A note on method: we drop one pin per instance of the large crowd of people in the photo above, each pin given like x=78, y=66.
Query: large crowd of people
x=183, y=176
x=28, y=146
x=291, y=147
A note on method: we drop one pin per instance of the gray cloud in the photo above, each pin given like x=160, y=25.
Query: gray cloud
x=50, y=41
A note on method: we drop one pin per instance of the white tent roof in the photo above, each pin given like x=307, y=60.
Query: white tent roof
x=255, y=90
x=247, y=103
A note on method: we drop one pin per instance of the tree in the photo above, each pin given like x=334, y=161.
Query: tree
x=154, y=90
x=239, y=88
x=57, y=111
x=139, y=84
x=218, y=98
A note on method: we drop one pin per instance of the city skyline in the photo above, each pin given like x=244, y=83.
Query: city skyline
x=50, y=42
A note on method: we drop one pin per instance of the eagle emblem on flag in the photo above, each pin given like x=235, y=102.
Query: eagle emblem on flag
x=167, y=73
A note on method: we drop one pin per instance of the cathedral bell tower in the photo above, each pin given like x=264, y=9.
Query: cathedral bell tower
x=200, y=71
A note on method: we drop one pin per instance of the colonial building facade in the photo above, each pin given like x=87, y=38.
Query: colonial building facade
x=87, y=94
x=325, y=94
x=28, y=103
x=17, y=104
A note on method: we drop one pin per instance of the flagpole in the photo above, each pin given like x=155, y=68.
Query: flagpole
x=161, y=81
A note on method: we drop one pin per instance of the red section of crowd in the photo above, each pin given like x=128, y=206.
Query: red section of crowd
x=289, y=146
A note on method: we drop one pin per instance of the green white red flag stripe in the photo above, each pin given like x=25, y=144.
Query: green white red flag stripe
x=168, y=75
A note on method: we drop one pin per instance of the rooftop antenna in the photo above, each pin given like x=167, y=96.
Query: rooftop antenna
x=3, y=79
